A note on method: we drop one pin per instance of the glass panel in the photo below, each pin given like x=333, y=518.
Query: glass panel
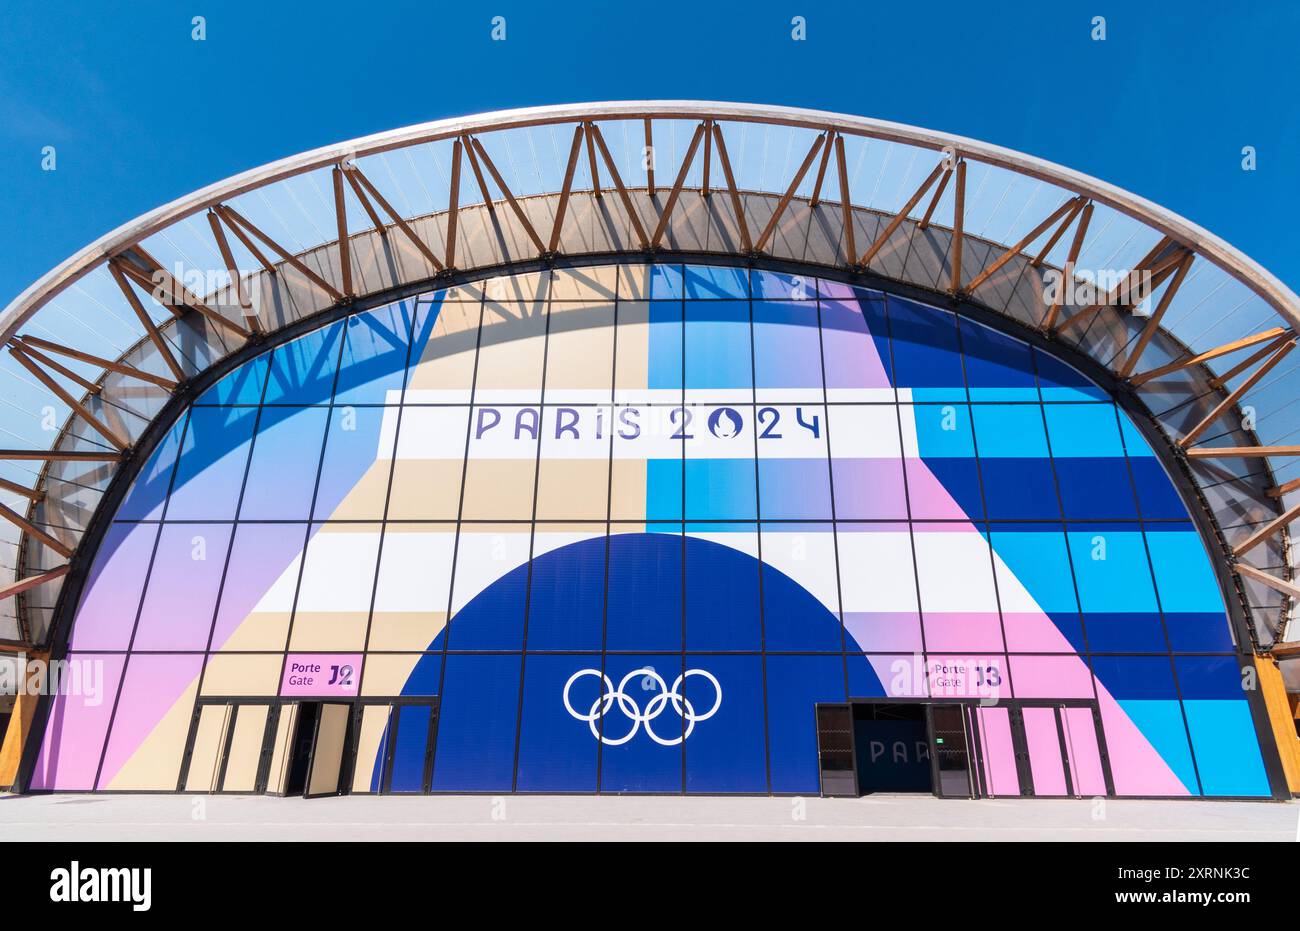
x=1044, y=741
x=411, y=748
x=245, y=752
x=477, y=724
x=951, y=750
x=210, y=470
x=818, y=492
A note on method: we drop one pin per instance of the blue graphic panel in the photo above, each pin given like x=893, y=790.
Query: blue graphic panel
x=411, y=749
x=706, y=282
x=210, y=468
x=566, y=602
x=645, y=592
x=1227, y=750
x=1144, y=687
x=794, y=685
x=242, y=386
x=722, y=611
x=998, y=368
x=1014, y=464
x=375, y=346
x=302, y=372
x=726, y=751
x=718, y=348
x=477, y=724
x=557, y=751
x=665, y=354
x=494, y=619
x=636, y=757
x=926, y=355
x=148, y=493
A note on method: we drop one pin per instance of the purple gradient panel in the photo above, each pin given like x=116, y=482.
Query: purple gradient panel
x=1044, y=743
x=869, y=489
x=74, y=732
x=153, y=685
x=929, y=499
x=787, y=347
x=794, y=489
x=260, y=554
x=182, y=593
x=839, y=291
x=884, y=631
x=112, y=596
x=851, y=357
x=999, y=752
x=1051, y=677
x=976, y=630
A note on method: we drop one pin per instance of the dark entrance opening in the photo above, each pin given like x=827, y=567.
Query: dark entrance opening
x=892, y=748
x=304, y=737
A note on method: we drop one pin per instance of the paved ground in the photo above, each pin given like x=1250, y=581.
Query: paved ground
x=368, y=818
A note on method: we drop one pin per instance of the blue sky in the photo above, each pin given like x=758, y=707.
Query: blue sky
x=140, y=114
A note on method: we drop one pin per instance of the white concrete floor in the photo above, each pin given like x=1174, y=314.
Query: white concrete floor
x=877, y=818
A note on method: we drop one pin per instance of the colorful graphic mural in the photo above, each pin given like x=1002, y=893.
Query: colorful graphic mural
x=629, y=524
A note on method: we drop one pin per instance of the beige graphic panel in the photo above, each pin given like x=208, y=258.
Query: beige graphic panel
x=412, y=592
x=338, y=579
x=594, y=283
x=632, y=351
x=374, y=723
x=430, y=462
x=245, y=748
x=250, y=674
x=445, y=370
x=501, y=470
x=278, y=774
x=512, y=349
x=580, y=352
x=209, y=742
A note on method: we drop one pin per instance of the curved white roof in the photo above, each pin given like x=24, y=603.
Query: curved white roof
x=790, y=172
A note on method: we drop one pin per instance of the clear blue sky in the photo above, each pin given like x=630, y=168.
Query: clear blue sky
x=140, y=114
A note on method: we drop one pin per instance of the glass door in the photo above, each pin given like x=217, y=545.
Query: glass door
x=835, y=751
x=227, y=748
x=325, y=772
x=950, y=731
x=1063, y=750
x=394, y=747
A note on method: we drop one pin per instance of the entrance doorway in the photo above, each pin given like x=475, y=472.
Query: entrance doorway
x=240, y=746
x=891, y=748
x=963, y=749
x=314, y=749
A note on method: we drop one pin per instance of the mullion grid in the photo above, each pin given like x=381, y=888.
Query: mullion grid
x=988, y=523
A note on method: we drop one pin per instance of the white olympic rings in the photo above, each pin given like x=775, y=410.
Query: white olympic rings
x=655, y=707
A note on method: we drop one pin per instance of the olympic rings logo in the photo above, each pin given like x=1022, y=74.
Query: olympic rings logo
x=610, y=696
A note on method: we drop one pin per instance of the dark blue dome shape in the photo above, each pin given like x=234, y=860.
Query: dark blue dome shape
x=649, y=574
x=647, y=591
